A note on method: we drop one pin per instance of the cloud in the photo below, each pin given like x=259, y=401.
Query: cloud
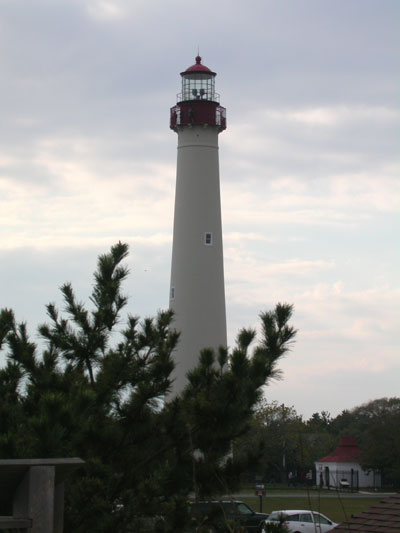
x=334, y=116
x=309, y=165
x=80, y=204
x=255, y=271
x=105, y=10
x=238, y=237
x=336, y=200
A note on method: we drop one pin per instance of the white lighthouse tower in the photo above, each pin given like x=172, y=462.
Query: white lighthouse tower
x=197, y=292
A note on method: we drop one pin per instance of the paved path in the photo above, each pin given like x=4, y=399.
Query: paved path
x=313, y=494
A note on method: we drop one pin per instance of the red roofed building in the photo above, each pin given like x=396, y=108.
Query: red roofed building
x=342, y=469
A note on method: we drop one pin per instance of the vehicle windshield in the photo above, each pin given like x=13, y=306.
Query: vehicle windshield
x=244, y=509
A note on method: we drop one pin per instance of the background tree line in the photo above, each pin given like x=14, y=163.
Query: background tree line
x=284, y=442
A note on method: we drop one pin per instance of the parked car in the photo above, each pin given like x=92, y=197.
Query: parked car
x=216, y=515
x=302, y=521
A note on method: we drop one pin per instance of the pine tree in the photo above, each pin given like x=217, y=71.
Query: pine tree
x=98, y=391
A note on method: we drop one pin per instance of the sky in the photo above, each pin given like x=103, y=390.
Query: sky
x=309, y=168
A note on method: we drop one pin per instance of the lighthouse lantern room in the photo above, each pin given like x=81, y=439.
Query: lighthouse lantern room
x=198, y=103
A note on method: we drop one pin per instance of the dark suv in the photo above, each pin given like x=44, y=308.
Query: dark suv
x=217, y=515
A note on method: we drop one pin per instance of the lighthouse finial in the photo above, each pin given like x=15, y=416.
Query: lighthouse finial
x=198, y=57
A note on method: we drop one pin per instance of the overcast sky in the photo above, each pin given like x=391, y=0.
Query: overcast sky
x=309, y=167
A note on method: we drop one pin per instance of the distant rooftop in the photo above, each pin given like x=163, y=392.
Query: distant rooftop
x=346, y=452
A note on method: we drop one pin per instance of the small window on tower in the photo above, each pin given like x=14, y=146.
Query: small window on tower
x=208, y=238
x=172, y=295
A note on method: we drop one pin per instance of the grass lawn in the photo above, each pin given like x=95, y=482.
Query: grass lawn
x=337, y=509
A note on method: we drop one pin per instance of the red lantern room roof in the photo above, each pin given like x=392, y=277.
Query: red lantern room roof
x=198, y=67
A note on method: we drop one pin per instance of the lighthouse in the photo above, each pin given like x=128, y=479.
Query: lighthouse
x=197, y=291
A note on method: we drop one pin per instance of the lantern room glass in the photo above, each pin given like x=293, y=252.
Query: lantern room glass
x=198, y=86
